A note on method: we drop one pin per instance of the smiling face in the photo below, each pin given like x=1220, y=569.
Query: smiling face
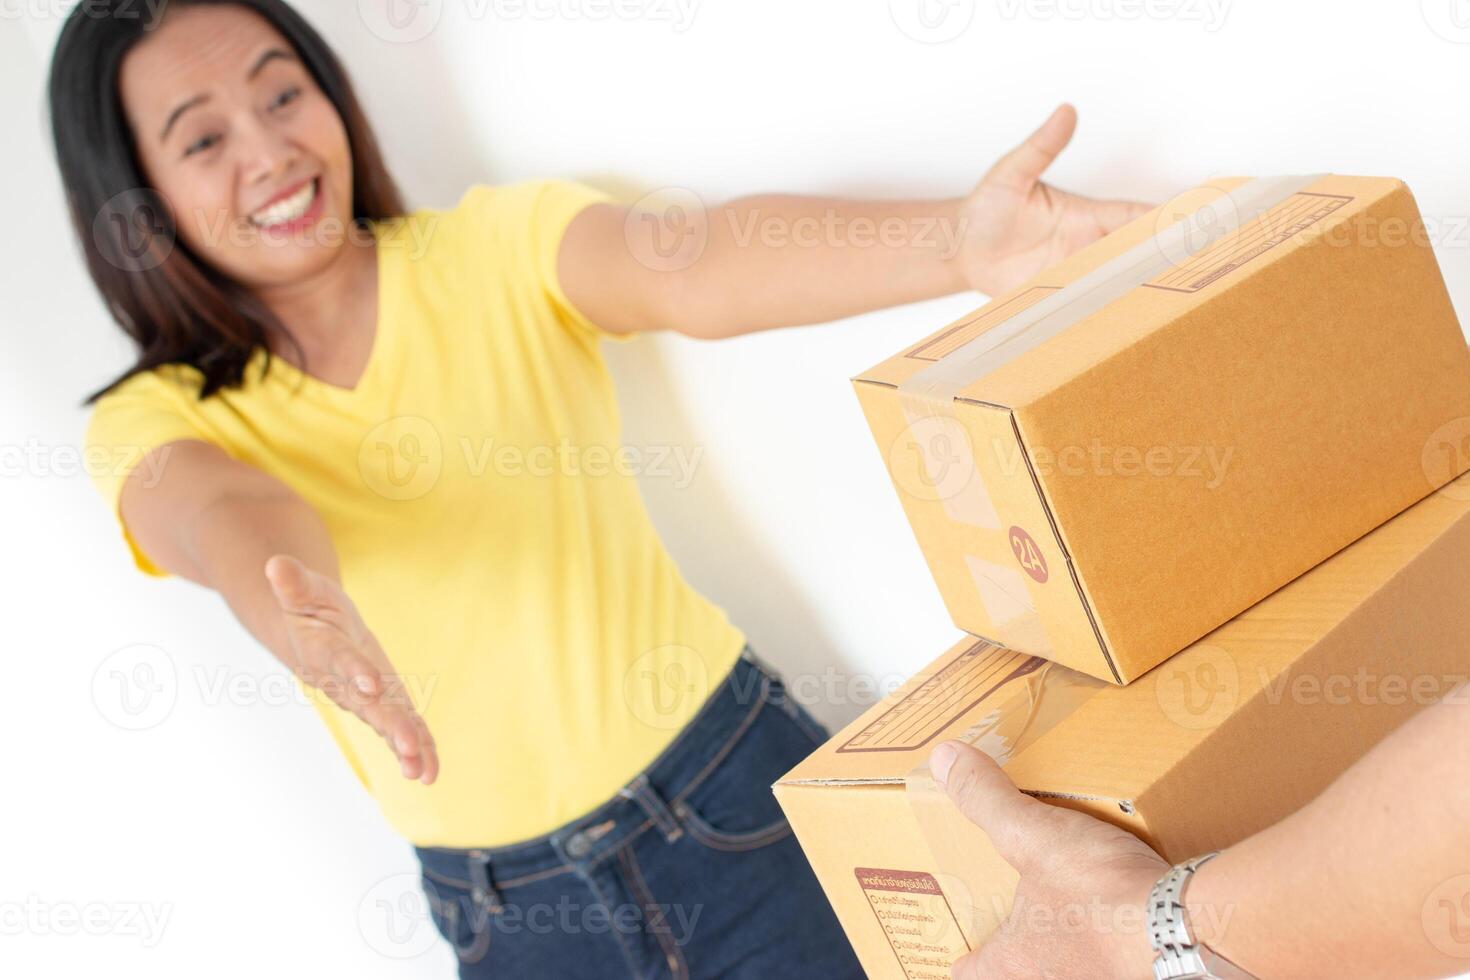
x=232, y=130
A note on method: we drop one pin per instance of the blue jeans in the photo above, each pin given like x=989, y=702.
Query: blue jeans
x=690, y=871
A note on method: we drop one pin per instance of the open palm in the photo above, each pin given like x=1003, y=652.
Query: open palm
x=335, y=652
x=1016, y=225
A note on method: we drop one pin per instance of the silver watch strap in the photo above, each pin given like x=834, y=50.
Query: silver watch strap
x=1179, y=957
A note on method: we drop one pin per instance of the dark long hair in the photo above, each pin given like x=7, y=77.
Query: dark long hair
x=176, y=308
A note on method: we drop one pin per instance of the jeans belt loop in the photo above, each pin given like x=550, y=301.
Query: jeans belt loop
x=749, y=655
x=753, y=683
x=484, y=892
x=641, y=791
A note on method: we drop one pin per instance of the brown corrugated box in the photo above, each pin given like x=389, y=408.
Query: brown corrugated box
x=1226, y=738
x=1112, y=494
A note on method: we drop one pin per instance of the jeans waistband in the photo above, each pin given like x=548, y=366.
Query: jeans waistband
x=650, y=801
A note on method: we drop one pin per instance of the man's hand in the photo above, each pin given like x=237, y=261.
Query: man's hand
x=1078, y=910
x=335, y=652
x=1016, y=226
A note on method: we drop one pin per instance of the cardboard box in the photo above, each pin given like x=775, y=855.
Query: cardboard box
x=1219, y=742
x=1114, y=458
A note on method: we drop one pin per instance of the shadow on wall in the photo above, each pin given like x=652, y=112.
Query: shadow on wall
x=427, y=149
x=720, y=552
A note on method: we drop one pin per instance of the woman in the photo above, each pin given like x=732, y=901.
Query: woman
x=317, y=428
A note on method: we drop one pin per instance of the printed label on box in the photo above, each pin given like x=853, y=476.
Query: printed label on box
x=1291, y=217
x=917, y=919
x=942, y=699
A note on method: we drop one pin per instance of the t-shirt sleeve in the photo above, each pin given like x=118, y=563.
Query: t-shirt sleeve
x=125, y=426
x=555, y=204
x=529, y=220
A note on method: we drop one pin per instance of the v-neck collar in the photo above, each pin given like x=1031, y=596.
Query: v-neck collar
x=284, y=372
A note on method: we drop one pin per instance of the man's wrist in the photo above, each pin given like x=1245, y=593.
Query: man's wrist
x=1201, y=907
x=1185, y=927
x=1132, y=954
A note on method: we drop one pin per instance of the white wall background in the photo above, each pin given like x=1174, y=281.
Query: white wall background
x=232, y=817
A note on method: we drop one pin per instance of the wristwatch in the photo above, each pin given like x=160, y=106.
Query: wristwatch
x=1179, y=957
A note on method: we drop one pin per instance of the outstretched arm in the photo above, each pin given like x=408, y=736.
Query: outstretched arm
x=1371, y=879
x=237, y=530
x=780, y=260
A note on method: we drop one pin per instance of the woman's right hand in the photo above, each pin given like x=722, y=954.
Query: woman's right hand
x=333, y=650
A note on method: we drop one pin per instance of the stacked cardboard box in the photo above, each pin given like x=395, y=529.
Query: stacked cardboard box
x=1234, y=428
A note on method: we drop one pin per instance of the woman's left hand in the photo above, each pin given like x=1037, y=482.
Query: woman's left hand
x=1015, y=225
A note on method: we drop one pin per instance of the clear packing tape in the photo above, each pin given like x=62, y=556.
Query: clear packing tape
x=935, y=387
x=928, y=396
x=977, y=883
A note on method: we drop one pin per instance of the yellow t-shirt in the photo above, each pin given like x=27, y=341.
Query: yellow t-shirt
x=487, y=520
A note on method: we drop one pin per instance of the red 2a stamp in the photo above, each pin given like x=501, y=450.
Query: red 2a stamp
x=1028, y=555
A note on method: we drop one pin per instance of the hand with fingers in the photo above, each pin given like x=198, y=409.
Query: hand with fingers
x=335, y=652
x=1015, y=225
x=1079, y=906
